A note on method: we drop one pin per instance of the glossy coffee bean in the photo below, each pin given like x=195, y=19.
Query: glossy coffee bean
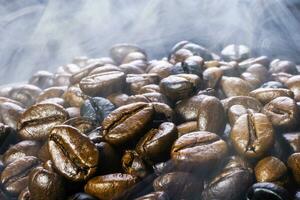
x=26, y=94
x=212, y=77
x=45, y=184
x=136, y=81
x=73, y=155
x=102, y=84
x=178, y=185
x=265, y=95
x=211, y=115
x=187, y=109
x=286, y=66
x=51, y=92
x=83, y=124
x=43, y=153
x=74, y=96
x=104, y=68
x=293, y=83
x=246, y=101
x=109, y=158
x=187, y=127
x=262, y=60
x=84, y=72
x=231, y=183
x=127, y=123
x=21, y=149
x=156, y=144
x=201, y=149
x=252, y=135
x=149, y=88
x=96, y=108
x=271, y=169
x=154, y=196
x=37, y=121
x=119, y=51
x=294, y=165
x=81, y=196
x=14, y=177
x=235, y=112
x=270, y=191
x=111, y=186
x=10, y=114
x=73, y=112
x=133, y=164
x=282, y=112
x=233, y=86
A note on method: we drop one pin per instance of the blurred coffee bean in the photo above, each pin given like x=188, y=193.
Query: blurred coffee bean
x=247, y=102
x=72, y=153
x=293, y=84
x=58, y=101
x=133, y=164
x=293, y=140
x=252, y=135
x=235, y=52
x=136, y=81
x=193, y=65
x=43, y=153
x=61, y=79
x=162, y=68
x=272, y=84
x=187, y=109
x=74, y=96
x=180, y=55
x=51, y=92
x=212, y=77
x=252, y=80
x=199, y=50
x=26, y=94
x=10, y=114
x=8, y=100
x=201, y=149
x=21, y=149
x=127, y=123
x=268, y=191
x=104, y=68
x=42, y=79
x=8, y=137
x=262, y=60
x=154, y=196
x=102, y=84
x=73, y=112
x=282, y=112
x=80, y=60
x=230, y=70
x=37, y=121
x=235, y=112
x=69, y=68
x=134, y=56
x=45, y=184
x=271, y=169
x=265, y=95
x=294, y=165
x=156, y=144
x=111, y=186
x=130, y=68
x=81, y=196
x=149, y=88
x=24, y=195
x=109, y=158
x=83, y=124
x=187, y=127
x=259, y=71
x=178, y=185
x=119, y=51
x=277, y=66
x=231, y=183
x=118, y=99
x=234, y=86
x=85, y=71
x=14, y=177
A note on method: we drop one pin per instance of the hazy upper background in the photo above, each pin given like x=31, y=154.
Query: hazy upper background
x=43, y=34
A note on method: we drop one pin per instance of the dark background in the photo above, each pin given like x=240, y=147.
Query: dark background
x=42, y=34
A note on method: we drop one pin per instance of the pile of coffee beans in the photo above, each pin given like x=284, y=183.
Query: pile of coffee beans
x=194, y=125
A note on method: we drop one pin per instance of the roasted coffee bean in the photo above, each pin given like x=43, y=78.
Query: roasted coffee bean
x=282, y=112
x=45, y=184
x=14, y=177
x=119, y=51
x=72, y=153
x=51, y=92
x=130, y=68
x=247, y=102
x=43, y=154
x=21, y=149
x=149, y=88
x=85, y=71
x=102, y=84
x=58, y=101
x=201, y=149
x=73, y=112
x=211, y=115
x=272, y=84
x=109, y=158
x=104, y=68
x=127, y=123
x=293, y=83
x=10, y=114
x=4, y=100
x=234, y=86
x=294, y=165
x=286, y=66
x=178, y=87
x=271, y=169
x=212, y=77
x=96, y=135
x=178, y=185
x=231, y=183
x=74, y=96
x=157, y=97
x=134, y=56
x=235, y=112
x=133, y=164
x=262, y=60
x=26, y=94
x=252, y=80
x=265, y=95
x=252, y=135
x=136, y=81
x=24, y=195
x=155, y=145
x=7, y=137
x=235, y=52
x=42, y=79
x=200, y=51
x=111, y=186
x=160, y=195
x=293, y=140
x=187, y=127
x=81, y=196
x=259, y=71
x=83, y=124
x=96, y=108
x=180, y=55
x=268, y=191
x=37, y=121
x=162, y=68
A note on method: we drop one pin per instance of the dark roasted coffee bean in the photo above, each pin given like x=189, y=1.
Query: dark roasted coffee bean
x=109, y=158
x=201, y=149
x=199, y=50
x=252, y=135
x=235, y=52
x=294, y=165
x=96, y=135
x=212, y=77
x=231, y=183
x=83, y=124
x=133, y=164
x=42, y=79
x=37, y=121
x=265, y=95
x=270, y=191
x=178, y=185
x=234, y=86
x=111, y=186
x=155, y=146
x=21, y=149
x=163, y=113
x=160, y=195
x=43, y=154
x=127, y=123
x=103, y=84
x=10, y=114
x=24, y=195
x=45, y=184
x=14, y=177
x=247, y=102
x=72, y=153
x=26, y=94
x=286, y=66
x=81, y=196
x=211, y=115
x=187, y=109
x=7, y=137
x=271, y=169
x=96, y=108
x=282, y=112
x=130, y=68
x=74, y=96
